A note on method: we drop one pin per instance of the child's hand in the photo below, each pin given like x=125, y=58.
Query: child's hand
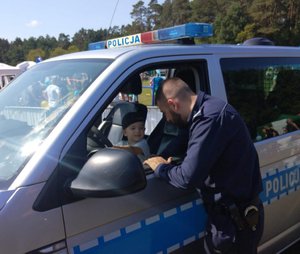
x=135, y=150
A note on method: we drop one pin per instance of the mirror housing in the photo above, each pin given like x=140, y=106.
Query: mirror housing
x=109, y=172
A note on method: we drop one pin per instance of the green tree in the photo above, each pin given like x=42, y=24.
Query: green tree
x=292, y=24
x=139, y=16
x=126, y=30
x=57, y=52
x=4, y=48
x=181, y=11
x=29, y=44
x=63, y=41
x=80, y=39
x=34, y=53
x=229, y=24
x=268, y=14
x=154, y=11
x=114, y=32
x=248, y=32
x=166, y=19
x=277, y=19
x=16, y=52
x=46, y=44
x=175, y=12
x=72, y=49
x=207, y=10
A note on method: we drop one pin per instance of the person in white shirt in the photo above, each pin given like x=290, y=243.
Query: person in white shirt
x=53, y=94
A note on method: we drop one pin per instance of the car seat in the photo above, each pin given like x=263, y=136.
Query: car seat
x=167, y=140
x=111, y=126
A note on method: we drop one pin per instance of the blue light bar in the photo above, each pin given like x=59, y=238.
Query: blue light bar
x=190, y=30
x=97, y=45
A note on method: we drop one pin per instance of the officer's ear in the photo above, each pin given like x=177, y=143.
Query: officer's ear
x=174, y=104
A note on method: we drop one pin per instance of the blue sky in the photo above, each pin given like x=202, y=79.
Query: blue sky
x=34, y=18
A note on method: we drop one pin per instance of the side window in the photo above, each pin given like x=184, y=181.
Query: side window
x=135, y=94
x=266, y=92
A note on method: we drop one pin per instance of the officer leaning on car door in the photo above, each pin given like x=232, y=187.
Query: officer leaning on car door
x=221, y=163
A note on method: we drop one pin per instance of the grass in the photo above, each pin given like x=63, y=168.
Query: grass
x=146, y=96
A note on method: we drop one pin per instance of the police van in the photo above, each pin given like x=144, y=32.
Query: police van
x=65, y=189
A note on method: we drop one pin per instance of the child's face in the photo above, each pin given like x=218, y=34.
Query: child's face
x=134, y=132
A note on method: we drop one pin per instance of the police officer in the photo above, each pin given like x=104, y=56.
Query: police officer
x=221, y=163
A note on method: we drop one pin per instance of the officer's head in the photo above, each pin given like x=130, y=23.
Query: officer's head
x=175, y=100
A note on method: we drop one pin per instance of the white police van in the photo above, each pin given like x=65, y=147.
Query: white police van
x=63, y=189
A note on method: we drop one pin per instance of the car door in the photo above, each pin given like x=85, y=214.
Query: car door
x=157, y=219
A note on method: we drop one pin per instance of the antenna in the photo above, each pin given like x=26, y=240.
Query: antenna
x=112, y=17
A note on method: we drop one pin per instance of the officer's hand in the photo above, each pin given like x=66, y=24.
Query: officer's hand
x=153, y=162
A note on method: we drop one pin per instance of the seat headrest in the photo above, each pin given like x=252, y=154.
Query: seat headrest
x=133, y=85
x=122, y=108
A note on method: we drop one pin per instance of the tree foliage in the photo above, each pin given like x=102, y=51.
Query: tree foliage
x=230, y=23
x=138, y=15
x=233, y=21
x=34, y=53
x=154, y=11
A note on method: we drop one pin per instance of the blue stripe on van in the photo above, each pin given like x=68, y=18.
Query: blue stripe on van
x=153, y=234
x=164, y=232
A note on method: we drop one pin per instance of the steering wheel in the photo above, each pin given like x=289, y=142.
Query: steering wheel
x=99, y=138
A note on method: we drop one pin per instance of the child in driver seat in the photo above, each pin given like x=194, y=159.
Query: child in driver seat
x=133, y=125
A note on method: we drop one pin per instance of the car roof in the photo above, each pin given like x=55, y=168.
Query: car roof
x=156, y=50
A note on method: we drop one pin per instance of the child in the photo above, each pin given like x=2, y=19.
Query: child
x=133, y=125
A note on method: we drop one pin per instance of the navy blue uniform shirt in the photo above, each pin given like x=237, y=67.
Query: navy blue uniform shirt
x=220, y=153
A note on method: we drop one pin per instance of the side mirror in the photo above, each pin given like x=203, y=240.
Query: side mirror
x=109, y=172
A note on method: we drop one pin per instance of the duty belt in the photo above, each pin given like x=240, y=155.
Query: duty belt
x=244, y=215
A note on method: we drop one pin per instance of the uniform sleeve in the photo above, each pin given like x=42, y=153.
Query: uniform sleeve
x=206, y=142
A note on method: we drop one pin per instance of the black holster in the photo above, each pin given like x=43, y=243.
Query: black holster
x=245, y=215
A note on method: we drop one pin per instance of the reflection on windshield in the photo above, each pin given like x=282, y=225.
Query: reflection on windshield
x=32, y=105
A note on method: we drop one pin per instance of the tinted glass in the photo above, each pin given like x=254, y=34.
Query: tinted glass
x=266, y=92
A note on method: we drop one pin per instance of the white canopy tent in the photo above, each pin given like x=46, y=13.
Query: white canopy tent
x=7, y=73
x=6, y=69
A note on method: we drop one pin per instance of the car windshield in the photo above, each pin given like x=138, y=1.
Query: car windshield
x=32, y=104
